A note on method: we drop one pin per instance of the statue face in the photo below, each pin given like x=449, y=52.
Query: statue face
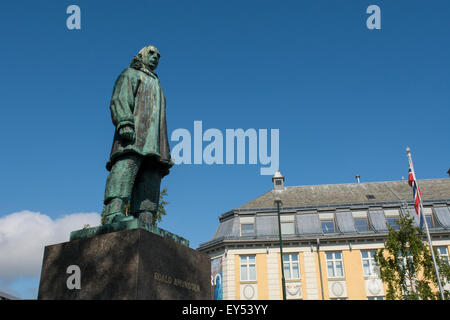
x=152, y=58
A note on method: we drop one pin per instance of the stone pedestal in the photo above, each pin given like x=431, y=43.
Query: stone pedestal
x=128, y=264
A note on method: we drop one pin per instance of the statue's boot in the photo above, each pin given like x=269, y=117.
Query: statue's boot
x=114, y=211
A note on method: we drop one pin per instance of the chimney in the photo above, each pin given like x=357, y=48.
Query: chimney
x=357, y=178
x=278, y=181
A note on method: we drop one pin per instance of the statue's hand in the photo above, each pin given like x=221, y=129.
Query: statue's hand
x=127, y=133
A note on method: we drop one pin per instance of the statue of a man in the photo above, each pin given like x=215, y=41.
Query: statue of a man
x=140, y=155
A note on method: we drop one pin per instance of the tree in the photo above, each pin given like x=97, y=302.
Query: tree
x=406, y=265
x=162, y=205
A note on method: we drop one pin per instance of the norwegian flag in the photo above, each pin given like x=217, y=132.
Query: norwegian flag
x=416, y=194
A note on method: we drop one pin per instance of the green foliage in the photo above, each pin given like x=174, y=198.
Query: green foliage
x=162, y=203
x=406, y=265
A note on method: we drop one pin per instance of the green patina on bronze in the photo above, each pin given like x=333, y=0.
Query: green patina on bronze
x=126, y=225
x=140, y=155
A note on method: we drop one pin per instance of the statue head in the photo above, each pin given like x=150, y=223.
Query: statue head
x=149, y=56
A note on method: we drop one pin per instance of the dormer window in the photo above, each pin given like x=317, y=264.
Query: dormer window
x=287, y=228
x=247, y=229
x=327, y=222
x=327, y=226
x=247, y=226
x=361, y=224
x=392, y=217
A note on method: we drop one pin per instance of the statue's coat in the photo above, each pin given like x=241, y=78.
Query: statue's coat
x=138, y=101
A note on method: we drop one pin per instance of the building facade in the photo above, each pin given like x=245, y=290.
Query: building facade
x=330, y=234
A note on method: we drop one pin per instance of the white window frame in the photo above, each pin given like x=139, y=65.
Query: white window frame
x=444, y=256
x=248, y=264
x=291, y=262
x=371, y=260
x=333, y=260
x=402, y=262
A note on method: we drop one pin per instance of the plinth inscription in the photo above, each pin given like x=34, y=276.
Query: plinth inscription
x=176, y=282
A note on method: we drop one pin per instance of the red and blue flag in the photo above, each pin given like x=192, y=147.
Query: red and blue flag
x=416, y=195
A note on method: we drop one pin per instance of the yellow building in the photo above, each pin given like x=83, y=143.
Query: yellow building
x=330, y=233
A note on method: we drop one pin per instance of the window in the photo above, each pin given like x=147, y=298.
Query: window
x=392, y=221
x=327, y=226
x=430, y=221
x=335, y=266
x=375, y=298
x=407, y=263
x=361, y=224
x=368, y=262
x=287, y=228
x=248, y=268
x=247, y=229
x=443, y=253
x=291, y=266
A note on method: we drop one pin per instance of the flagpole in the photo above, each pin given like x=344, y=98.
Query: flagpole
x=408, y=151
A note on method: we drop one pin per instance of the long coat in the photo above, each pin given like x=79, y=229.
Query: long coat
x=138, y=101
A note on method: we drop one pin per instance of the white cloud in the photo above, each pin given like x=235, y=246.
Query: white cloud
x=23, y=236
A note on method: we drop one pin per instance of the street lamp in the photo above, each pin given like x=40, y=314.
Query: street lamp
x=278, y=204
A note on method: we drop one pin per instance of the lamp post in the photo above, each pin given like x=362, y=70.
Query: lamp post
x=278, y=203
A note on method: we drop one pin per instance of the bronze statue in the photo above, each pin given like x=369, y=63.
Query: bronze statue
x=140, y=155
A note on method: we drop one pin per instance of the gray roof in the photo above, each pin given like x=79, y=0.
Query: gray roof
x=306, y=202
x=351, y=193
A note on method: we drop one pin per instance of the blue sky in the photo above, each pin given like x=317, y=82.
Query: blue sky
x=346, y=100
